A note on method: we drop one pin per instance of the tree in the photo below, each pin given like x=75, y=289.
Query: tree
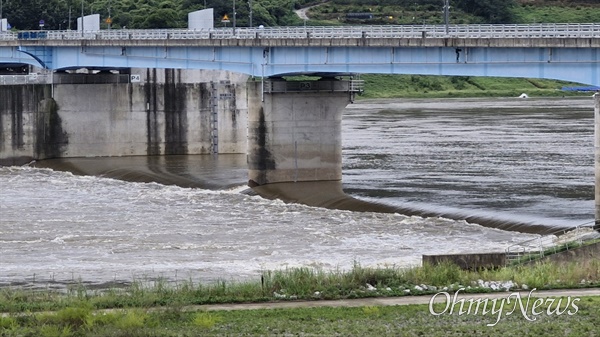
x=492, y=11
x=26, y=14
x=163, y=18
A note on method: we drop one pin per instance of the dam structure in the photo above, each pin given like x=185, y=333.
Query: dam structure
x=160, y=112
x=186, y=91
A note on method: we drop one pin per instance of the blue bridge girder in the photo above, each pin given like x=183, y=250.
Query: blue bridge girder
x=557, y=51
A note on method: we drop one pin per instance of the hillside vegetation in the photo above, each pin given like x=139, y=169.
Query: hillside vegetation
x=461, y=11
x=62, y=14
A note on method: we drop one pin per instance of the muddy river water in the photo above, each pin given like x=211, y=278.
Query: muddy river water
x=104, y=220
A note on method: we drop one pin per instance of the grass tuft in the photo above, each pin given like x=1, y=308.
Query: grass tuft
x=205, y=320
x=131, y=320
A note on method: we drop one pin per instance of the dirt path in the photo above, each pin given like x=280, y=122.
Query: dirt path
x=302, y=11
x=385, y=301
x=380, y=301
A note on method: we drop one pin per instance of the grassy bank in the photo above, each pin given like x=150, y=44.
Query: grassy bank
x=133, y=309
x=410, y=320
x=537, y=13
x=416, y=86
x=308, y=284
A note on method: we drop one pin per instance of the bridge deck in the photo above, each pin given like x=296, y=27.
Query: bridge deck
x=569, y=52
x=540, y=35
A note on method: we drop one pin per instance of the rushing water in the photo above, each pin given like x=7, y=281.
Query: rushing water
x=514, y=160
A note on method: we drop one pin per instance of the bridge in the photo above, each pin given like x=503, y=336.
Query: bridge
x=557, y=51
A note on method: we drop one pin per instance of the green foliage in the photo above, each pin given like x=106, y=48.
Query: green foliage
x=407, y=320
x=55, y=331
x=558, y=14
x=492, y=11
x=103, y=319
x=438, y=275
x=7, y=323
x=77, y=315
x=205, y=320
x=425, y=82
x=73, y=316
x=62, y=14
x=371, y=311
x=390, y=86
x=131, y=320
x=26, y=14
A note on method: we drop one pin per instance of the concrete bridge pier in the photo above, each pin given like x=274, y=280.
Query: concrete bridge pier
x=597, y=158
x=294, y=130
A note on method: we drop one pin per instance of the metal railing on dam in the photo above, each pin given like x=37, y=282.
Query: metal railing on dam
x=24, y=79
x=533, y=31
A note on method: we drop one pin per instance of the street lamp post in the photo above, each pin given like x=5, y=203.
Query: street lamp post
x=234, y=14
x=249, y=12
x=447, y=14
x=109, y=20
x=82, y=23
x=1, y=17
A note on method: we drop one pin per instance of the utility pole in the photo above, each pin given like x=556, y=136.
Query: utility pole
x=109, y=20
x=1, y=17
x=234, y=14
x=249, y=12
x=447, y=14
x=82, y=23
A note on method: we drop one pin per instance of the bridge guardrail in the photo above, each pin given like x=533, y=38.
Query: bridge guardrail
x=546, y=30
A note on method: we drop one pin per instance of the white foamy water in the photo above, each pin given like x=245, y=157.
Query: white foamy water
x=55, y=226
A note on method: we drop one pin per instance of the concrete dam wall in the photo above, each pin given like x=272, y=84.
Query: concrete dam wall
x=160, y=112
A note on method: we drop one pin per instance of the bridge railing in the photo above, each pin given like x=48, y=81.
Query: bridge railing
x=545, y=30
x=34, y=78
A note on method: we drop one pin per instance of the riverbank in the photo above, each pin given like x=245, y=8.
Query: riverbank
x=572, y=316
x=154, y=308
x=417, y=86
x=306, y=283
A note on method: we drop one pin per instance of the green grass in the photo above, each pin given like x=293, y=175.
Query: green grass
x=295, y=283
x=557, y=14
x=134, y=310
x=409, y=320
x=417, y=86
